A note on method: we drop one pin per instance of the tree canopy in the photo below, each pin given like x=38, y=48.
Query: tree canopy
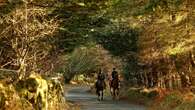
x=143, y=34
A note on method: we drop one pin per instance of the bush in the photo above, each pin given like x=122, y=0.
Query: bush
x=9, y=99
x=139, y=96
x=175, y=101
x=171, y=101
x=32, y=93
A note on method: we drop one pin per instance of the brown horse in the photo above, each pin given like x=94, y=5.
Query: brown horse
x=114, y=88
x=100, y=85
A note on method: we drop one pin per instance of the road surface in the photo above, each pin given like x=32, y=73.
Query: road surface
x=88, y=101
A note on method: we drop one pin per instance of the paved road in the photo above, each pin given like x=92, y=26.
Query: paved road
x=88, y=101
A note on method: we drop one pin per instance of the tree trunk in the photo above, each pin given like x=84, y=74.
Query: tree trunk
x=22, y=69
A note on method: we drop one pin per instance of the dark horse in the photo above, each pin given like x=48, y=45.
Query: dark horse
x=114, y=88
x=100, y=86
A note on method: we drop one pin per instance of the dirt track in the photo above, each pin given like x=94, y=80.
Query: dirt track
x=88, y=101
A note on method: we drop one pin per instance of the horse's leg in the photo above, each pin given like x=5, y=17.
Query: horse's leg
x=111, y=88
x=102, y=95
x=114, y=94
x=118, y=89
x=111, y=91
x=98, y=93
x=99, y=97
x=117, y=93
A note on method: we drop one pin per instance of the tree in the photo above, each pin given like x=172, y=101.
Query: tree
x=25, y=37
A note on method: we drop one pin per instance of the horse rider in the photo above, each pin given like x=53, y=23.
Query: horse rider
x=101, y=77
x=114, y=75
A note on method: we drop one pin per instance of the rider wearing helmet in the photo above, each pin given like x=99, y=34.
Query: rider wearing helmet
x=115, y=76
x=101, y=78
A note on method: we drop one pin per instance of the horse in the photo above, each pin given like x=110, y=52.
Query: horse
x=114, y=88
x=100, y=86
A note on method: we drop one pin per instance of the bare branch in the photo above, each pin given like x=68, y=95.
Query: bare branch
x=6, y=64
x=9, y=70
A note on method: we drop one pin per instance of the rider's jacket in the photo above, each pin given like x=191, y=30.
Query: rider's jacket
x=101, y=76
